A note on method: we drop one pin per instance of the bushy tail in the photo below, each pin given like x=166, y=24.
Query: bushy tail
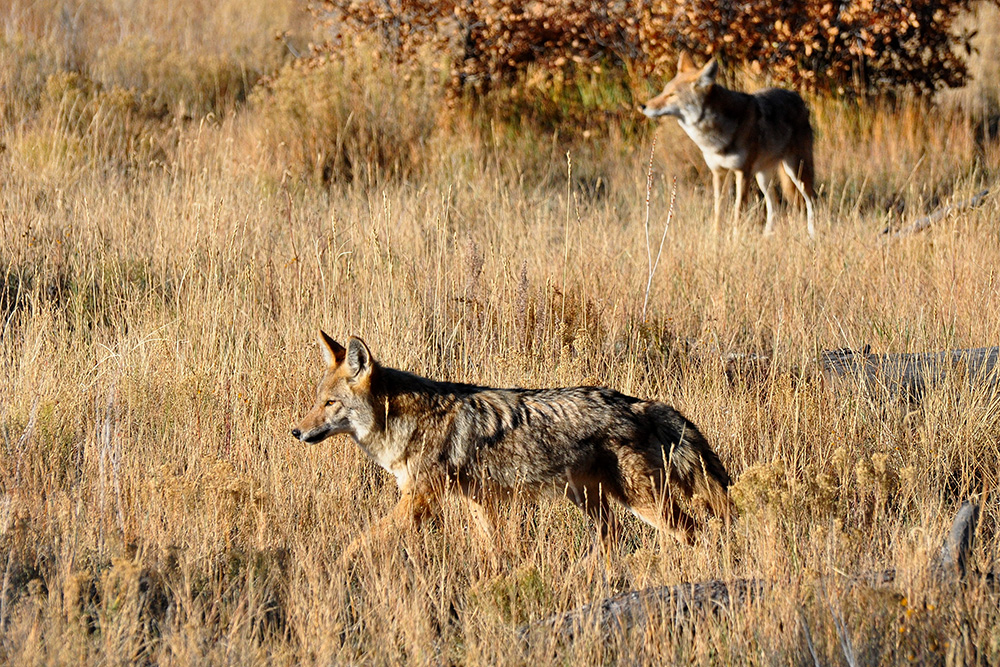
x=696, y=469
x=712, y=482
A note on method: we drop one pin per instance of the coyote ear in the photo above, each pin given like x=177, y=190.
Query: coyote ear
x=359, y=358
x=333, y=352
x=707, y=75
x=685, y=64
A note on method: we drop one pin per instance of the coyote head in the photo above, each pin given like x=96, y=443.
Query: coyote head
x=343, y=397
x=684, y=95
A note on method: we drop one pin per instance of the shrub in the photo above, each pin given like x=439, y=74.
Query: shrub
x=181, y=83
x=876, y=46
x=338, y=120
x=488, y=43
x=79, y=121
x=872, y=46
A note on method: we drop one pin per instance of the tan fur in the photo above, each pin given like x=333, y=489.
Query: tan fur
x=750, y=135
x=590, y=443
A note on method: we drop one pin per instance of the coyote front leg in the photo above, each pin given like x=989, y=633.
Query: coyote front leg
x=717, y=175
x=413, y=507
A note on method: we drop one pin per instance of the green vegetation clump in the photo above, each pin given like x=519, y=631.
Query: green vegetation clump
x=347, y=118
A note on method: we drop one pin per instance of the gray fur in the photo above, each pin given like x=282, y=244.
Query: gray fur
x=592, y=443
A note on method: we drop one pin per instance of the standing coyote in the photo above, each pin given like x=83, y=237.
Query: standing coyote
x=487, y=444
x=748, y=134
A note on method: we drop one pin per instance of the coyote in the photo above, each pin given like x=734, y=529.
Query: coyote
x=748, y=134
x=591, y=443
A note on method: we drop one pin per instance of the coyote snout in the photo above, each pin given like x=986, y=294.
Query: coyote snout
x=751, y=135
x=590, y=443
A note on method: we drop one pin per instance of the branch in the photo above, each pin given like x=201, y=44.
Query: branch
x=687, y=600
x=928, y=220
x=910, y=374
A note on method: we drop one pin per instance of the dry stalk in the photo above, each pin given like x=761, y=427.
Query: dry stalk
x=651, y=264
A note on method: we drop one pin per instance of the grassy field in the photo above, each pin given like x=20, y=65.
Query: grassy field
x=172, y=238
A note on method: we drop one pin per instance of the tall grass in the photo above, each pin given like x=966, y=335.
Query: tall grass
x=158, y=334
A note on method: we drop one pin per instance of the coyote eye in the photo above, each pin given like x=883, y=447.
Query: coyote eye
x=329, y=403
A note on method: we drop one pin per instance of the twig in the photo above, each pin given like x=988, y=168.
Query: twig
x=288, y=45
x=3, y=589
x=809, y=639
x=670, y=214
x=291, y=233
x=22, y=442
x=841, y=628
x=110, y=455
x=649, y=190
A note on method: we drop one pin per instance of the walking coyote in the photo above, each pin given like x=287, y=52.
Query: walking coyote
x=591, y=443
x=748, y=134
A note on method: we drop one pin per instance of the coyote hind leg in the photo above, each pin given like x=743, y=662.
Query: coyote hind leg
x=592, y=498
x=648, y=495
x=800, y=173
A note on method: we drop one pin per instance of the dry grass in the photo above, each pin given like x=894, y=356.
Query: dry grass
x=158, y=341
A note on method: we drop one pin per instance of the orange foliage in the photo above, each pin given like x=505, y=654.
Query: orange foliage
x=856, y=46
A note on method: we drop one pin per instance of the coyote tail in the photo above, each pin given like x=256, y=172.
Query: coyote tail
x=712, y=482
x=698, y=471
